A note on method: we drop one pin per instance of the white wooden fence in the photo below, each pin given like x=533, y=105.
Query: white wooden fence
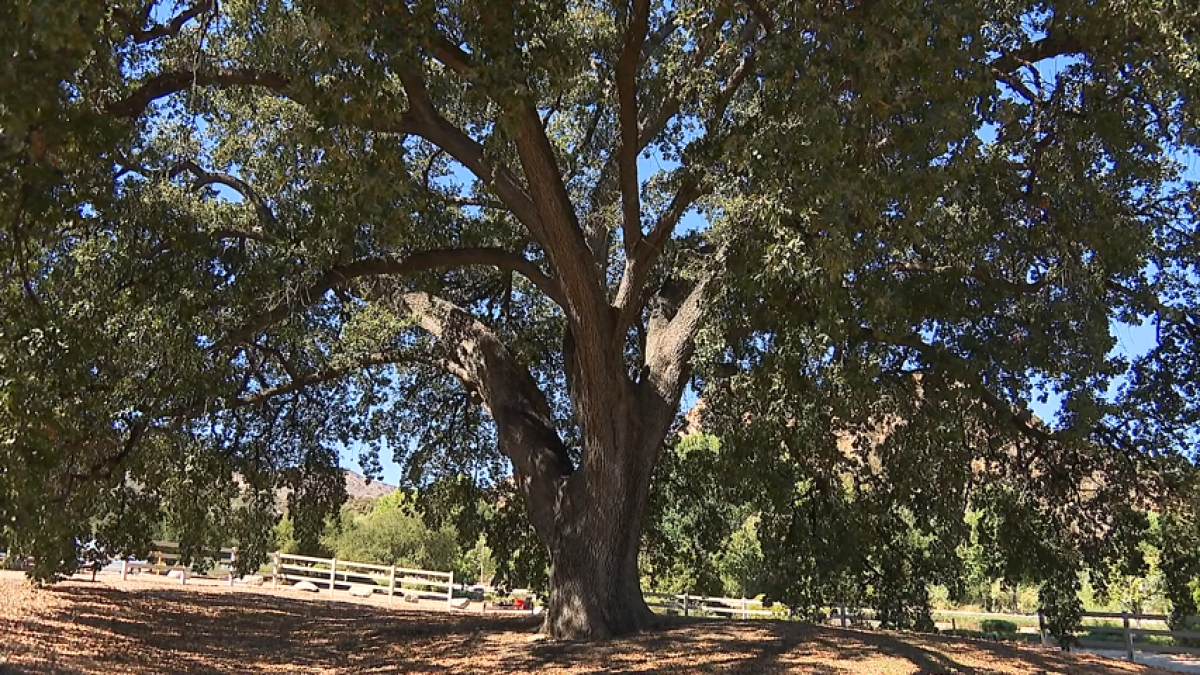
x=165, y=557
x=687, y=605
x=1130, y=632
x=1131, y=627
x=333, y=574
x=4, y=555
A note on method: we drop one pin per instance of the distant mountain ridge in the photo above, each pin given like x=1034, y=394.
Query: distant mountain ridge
x=357, y=487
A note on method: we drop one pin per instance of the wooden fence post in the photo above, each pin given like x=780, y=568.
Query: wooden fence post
x=332, y=574
x=744, y=614
x=450, y=591
x=232, y=564
x=1042, y=628
x=124, y=569
x=842, y=614
x=1128, y=636
x=685, y=604
x=392, y=583
x=953, y=625
x=276, y=571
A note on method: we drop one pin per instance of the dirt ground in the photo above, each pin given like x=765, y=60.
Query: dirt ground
x=158, y=627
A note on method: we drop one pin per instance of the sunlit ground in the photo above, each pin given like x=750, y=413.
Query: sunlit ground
x=158, y=627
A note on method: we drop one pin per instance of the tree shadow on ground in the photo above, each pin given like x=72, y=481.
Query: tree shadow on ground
x=780, y=647
x=93, y=629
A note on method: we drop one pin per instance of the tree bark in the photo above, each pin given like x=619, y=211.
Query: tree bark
x=595, y=536
x=595, y=588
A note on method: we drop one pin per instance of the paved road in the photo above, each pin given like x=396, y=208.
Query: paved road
x=1180, y=663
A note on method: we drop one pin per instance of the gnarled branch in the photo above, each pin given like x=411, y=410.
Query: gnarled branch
x=205, y=178
x=1054, y=44
x=142, y=35
x=165, y=84
x=342, y=275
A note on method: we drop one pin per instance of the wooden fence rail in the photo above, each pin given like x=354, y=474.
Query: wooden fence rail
x=687, y=604
x=1131, y=627
x=165, y=557
x=334, y=573
x=1131, y=631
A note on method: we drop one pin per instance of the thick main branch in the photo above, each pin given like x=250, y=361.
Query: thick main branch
x=341, y=275
x=627, y=115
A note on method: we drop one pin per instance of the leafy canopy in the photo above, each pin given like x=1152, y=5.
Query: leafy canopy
x=235, y=235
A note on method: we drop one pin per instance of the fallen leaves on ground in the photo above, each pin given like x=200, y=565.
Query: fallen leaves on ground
x=142, y=626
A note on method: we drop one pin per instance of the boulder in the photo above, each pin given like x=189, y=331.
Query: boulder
x=362, y=591
x=175, y=574
x=409, y=597
x=252, y=580
x=460, y=603
x=305, y=586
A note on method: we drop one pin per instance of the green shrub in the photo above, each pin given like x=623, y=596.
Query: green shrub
x=1000, y=626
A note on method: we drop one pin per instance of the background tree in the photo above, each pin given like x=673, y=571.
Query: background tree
x=392, y=532
x=242, y=235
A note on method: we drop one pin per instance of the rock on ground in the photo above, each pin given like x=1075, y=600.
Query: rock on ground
x=305, y=586
x=362, y=591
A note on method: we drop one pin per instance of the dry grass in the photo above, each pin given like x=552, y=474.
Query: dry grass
x=154, y=627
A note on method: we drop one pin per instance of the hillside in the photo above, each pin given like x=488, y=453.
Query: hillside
x=358, y=487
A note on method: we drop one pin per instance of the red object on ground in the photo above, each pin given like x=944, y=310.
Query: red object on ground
x=519, y=603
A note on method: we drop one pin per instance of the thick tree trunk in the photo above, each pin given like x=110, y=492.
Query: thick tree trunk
x=595, y=592
x=595, y=536
x=589, y=516
x=595, y=589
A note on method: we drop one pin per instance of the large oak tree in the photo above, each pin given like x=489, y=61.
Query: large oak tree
x=240, y=233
